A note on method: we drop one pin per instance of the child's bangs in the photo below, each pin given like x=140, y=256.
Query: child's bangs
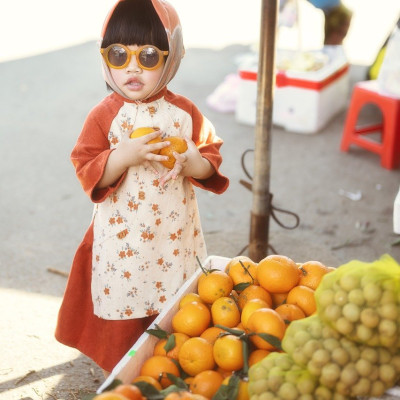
x=135, y=23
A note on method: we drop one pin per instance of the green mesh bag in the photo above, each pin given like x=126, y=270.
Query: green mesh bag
x=343, y=366
x=362, y=301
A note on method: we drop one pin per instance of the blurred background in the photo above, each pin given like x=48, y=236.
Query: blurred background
x=32, y=27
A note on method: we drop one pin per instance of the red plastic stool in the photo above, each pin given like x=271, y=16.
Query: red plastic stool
x=389, y=147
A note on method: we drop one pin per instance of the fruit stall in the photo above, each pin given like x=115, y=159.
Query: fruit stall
x=276, y=329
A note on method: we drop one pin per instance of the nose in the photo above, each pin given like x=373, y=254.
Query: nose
x=133, y=66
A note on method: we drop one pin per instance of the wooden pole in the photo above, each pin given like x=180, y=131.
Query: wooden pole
x=260, y=213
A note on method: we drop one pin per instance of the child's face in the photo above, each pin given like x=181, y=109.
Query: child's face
x=136, y=83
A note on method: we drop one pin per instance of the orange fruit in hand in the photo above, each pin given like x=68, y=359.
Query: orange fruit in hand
x=303, y=297
x=257, y=355
x=206, y=383
x=192, y=319
x=142, y=131
x=265, y=320
x=251, y=306
x=159, y=349
x=214, y=285
x=224, y=311
x=246, y=273
x=189, y=298
x=178, y=145
x=254, y=292
x=228, y=352
x=158, y=366
x=148, y=379
x=311, y=273
x=290, y=312
x=278, y=274
x=196, y=355
x=131, y=392
x=212, y=333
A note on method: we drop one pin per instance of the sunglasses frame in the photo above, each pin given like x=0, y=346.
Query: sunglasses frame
x=161, y=54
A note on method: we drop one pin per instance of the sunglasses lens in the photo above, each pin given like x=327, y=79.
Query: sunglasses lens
x=149, y=57
x=117, y=56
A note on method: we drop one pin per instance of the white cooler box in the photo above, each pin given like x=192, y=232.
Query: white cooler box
x=129, y=366
x=303, y=101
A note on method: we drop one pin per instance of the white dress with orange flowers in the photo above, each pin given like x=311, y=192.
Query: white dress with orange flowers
x=146, y=237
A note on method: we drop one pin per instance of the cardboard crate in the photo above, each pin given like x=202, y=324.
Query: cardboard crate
x=129, y=366
x=303, y=101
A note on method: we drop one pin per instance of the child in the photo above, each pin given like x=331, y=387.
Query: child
x=145, y=233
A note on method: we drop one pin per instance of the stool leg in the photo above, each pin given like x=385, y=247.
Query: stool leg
x=390, y=158
x=351, y=121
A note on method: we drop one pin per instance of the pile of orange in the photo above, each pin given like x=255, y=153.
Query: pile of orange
x=236, y=318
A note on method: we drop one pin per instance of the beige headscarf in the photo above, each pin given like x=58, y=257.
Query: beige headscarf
x=170, y=20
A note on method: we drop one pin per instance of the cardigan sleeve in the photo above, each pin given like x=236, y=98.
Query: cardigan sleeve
x=91, y=152
x=208, y=143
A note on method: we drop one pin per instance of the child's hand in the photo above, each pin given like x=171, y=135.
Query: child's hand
x=191, y=163
x=138, y=151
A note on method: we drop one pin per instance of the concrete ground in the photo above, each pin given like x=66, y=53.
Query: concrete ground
x=44, y=212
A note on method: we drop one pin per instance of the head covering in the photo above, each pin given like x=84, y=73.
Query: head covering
x=171, y=23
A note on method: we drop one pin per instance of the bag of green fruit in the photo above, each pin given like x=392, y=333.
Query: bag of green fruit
x=278, y=377
x=361, y=301
x=345, y=367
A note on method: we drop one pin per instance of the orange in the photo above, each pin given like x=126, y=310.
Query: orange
x=131, y=392
x=243, y=392
x=303, y=297
x=250, y=307
x=240, y=327
x=181, y=395
x=148, y=379
x=257, y=355
x=159, y=349
x=214, y=285
x=196, y=355
x=212, y=333
x=246, y=273
x=192, y=319
x=158, y=366
x=228, y=352
x=277, y=274
x=278, y=299
x=189, y=298
x=110, y=396
x=224, y=372
x=177, y=145
x=142, y=131
x=188, y=380
x=311, y=274
x=265, y=320
x=224, y=311
x=253, y=292
x=290, y=312
x=206, y=383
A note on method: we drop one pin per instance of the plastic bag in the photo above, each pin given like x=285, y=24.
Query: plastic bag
x=341, y=365
x=362, y=301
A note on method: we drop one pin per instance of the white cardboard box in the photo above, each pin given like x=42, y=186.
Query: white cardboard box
x=303, y=101
x=129, y=366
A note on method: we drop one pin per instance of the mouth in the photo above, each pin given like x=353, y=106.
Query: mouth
x=134, y=84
